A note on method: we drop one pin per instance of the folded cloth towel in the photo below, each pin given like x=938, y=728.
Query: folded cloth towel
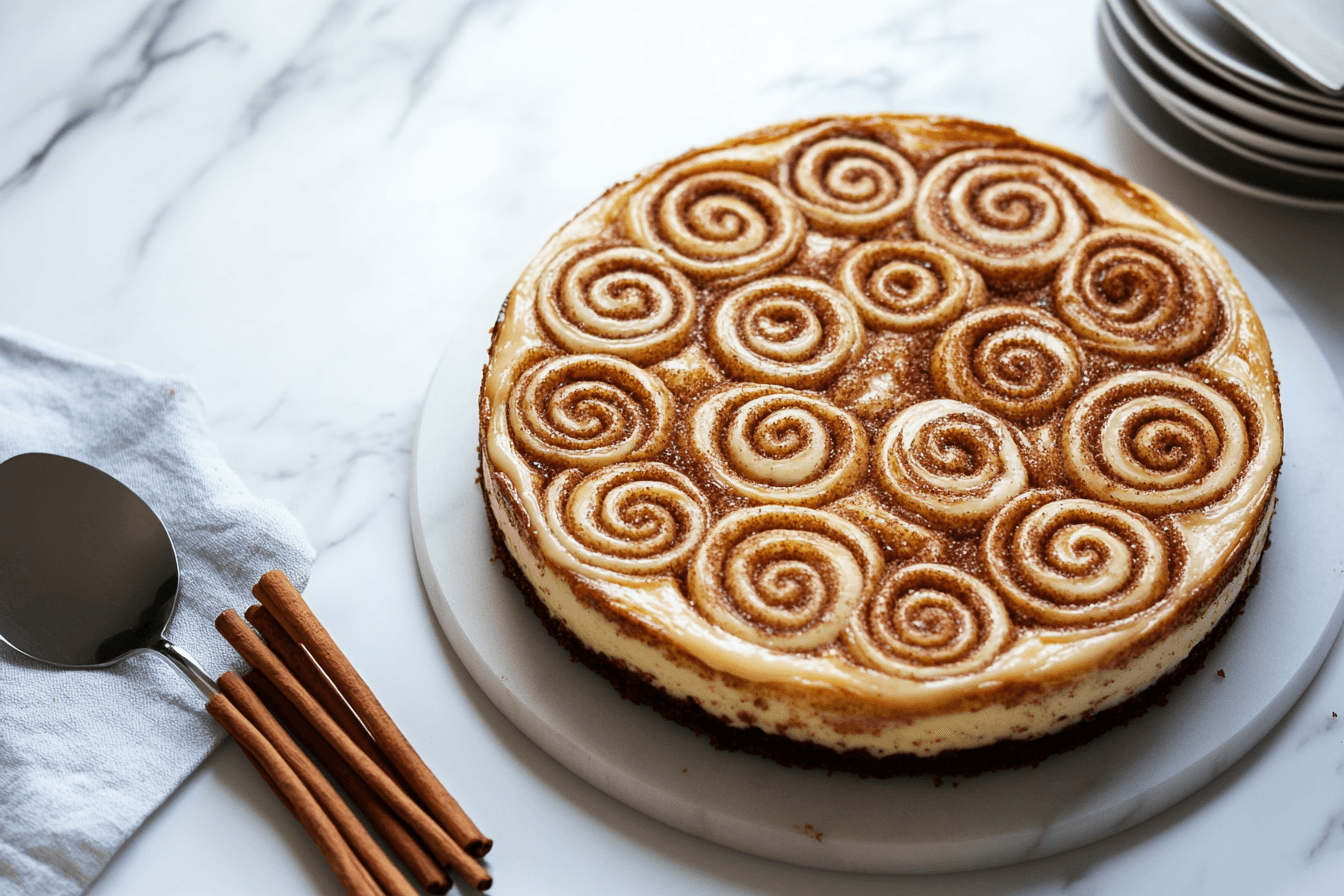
x=85, y=756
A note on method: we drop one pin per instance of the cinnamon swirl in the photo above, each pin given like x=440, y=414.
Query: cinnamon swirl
x=886, y=443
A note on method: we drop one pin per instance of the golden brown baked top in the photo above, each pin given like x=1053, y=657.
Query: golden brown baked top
x=885, y=401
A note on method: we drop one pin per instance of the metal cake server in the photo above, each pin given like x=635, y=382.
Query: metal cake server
x=88, y=574
x=1305, y=35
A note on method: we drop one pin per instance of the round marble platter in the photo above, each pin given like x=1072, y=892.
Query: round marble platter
x=908, y=825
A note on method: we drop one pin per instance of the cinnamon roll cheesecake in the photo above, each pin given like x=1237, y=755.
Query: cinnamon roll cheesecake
x=885, y=443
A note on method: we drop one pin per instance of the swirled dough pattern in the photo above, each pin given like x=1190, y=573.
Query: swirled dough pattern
x=929, y=621
x=908, y=286
x=1012, y=360
x=950, y=462
x=1154, y=441
x=790, y=331
x=620, y=300
x=1138, y=296
x=778, y=446
x=893, y=434
x=1010, y=213
x=588, y=411
x=641, y=519
x=1070, y=561
x=716, y=222
x=786, y=578
x=848, y=184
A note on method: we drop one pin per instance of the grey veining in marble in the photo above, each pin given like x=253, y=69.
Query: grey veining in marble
x=288, y=204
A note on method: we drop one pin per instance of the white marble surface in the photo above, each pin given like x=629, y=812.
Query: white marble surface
x=296, y=204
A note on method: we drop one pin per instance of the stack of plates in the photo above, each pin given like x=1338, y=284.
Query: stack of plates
x=1210, y=98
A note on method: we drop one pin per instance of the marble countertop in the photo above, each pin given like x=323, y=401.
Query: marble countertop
x=292, y=204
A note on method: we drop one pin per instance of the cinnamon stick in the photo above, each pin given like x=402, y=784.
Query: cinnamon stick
x=286, y=784
x=441, y=846
x=384, y=872
x=278, y=595
x=382, y=819
x=365, y=879
x=297, y=660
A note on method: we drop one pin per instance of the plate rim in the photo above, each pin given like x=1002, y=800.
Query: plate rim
x=1205, y=84
x=1150, y=131
x=1189, y=109
x=1184, y=34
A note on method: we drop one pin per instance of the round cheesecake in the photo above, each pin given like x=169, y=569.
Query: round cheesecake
x=885, y=443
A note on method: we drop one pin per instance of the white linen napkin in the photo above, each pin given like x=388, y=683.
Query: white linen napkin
x=86, y=756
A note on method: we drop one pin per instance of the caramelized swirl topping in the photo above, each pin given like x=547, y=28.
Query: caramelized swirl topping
x=908, y=286
x=622, y=300
x=950, y=462
x=715, y=222
x=929, y=621
x=778, y=446
x=806, y=423
x=1069, y=561
x=790, y=331
x=1154, y=441
x=588, y=411
x=1009, y=212
x=642, y=519
x=848, y=184
x=1015, y=361
x=783, y=577
x=1138, y=296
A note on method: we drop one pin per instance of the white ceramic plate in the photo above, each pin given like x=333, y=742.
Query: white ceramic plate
x=1200, y=69
x=1205, y=157
x=1210, y=38
x=1303, y=169
x=907, y=824
x=1213, y=90
x=1204, y=117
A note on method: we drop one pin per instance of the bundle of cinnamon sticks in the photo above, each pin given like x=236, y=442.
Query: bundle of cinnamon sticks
x=300, y=676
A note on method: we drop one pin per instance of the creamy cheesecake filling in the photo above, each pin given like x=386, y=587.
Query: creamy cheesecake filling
x=892, y=433
x=659, y=608
x=806, y=708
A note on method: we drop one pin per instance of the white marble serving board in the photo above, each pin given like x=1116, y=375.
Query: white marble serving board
x=842, y=822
